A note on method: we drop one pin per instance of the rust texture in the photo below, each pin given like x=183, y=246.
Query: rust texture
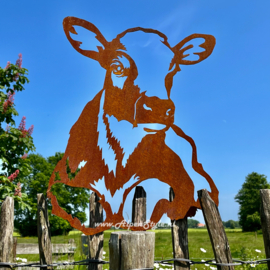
x=152, y=158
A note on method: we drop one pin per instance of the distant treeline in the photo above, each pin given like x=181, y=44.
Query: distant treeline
x=192, y=223
x=231, y=224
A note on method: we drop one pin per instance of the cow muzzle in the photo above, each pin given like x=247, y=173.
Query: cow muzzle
x=153, y=110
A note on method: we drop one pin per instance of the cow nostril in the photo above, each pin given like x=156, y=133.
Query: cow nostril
x=146, y=107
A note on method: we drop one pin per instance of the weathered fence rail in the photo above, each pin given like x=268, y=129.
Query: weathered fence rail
x=128, y=250
x=34, y=249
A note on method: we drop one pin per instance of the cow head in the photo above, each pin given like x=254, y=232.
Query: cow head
x=131, y=103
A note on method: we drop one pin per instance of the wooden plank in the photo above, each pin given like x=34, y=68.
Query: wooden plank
x=131, y=250
x=44, y=233
x=265, y=220
x=62, y=267
x=139, y=206
x=56, y=249
x=95, y=242
x=179, y=231
x=6, y=230
x=27, y=249
x=63, y=249
x=219, y=241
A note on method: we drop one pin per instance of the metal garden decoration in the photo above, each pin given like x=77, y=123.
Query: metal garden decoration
x=151, y=158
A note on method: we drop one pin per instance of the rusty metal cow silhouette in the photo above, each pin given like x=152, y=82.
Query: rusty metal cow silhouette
x=151, y=158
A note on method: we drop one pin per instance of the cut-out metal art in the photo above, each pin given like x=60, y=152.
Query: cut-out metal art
x=151, y=158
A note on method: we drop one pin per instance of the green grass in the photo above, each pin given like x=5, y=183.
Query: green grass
x=242, y=245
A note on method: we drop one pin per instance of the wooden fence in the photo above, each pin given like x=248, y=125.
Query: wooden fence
x=131, y=250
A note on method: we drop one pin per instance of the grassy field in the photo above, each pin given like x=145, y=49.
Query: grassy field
x=242, y=245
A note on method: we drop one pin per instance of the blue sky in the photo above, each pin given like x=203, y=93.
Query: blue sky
x=222, y=102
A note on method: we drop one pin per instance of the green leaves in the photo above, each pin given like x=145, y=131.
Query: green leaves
x=12, y=147
x=249, y=199
x=73, y=200
x=13, y=76
x=7, y=189
x=14, y=142
x=192, y=223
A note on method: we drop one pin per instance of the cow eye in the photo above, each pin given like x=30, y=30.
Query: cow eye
x=118, y=68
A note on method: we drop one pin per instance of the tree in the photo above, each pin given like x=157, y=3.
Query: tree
x=237, y=225
x=192, y=223
x=15, y=143
x=231, y=224
x=249, y=199
x=73, y=200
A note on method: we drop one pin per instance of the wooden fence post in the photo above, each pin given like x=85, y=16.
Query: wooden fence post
x=179, y=239
x=216, y=230
x=14, y=247
x=6, y=230
x=265, y=220
x=95, y=242
x=131, y=250
x=44, y=233
x=139, y=206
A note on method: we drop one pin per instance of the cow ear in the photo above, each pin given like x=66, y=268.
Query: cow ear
x=180, y=49
x=68, y=25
